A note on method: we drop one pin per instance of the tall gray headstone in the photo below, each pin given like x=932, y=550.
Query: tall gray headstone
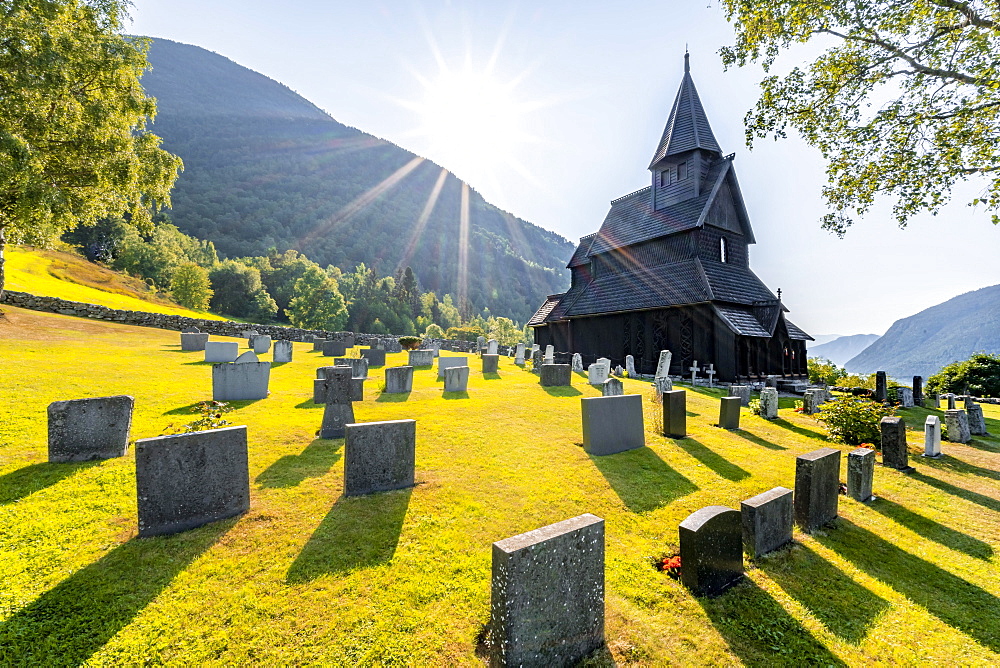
x=881, y=387
x=456, y=379
x=577, y=363
x=956, y=424
x=447, y=362
x=379, y=456
x=519, y=355
x=663, y=384
x=860, y=474
x=550, y=354
x=675, y=413
x=729, y=412
x=905, y=395
x=663, y=364
x=246, y=379
x=85, y=429
x=894, y=452
x=711, y=550
x=547, y=600
x=398, y=379
x=374, y=356
x=769, y=403
x=282, y=352
x=420, y=358
x=260, y=343
x=187, y=480
x=810, y=403
x=337, y=388
x=951, y=401
x=741, y=391
x=629, y=366
x=767, y=521
x=492, y=347
x=817, y=488
x=918, y=390
x=612, y=424
x=932, y=436
x=537, y=361
x=193, y=341
x=977, y=421
x=491, y=363
x=612, y=387
x=221, y=351
x=555, y=375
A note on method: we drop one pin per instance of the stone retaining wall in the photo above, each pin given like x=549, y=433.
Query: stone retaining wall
x=180, y=322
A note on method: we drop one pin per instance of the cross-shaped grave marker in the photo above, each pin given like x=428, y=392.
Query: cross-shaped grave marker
x=694, y=372
x=710, y=372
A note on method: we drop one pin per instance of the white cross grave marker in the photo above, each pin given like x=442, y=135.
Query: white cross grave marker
x=694, y=371
x=710, y=372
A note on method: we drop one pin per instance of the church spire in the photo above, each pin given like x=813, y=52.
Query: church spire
x=687, y=127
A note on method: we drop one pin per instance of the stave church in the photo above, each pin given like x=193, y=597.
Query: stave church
x=669, y=270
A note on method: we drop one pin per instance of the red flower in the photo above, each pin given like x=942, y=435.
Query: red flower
x=672, y=562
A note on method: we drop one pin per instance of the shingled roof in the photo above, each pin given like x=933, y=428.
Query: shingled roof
x=687, y=127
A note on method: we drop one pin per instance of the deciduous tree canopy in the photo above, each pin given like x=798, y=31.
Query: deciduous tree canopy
x=904, y=102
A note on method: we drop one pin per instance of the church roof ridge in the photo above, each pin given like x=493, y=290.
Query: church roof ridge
x=687, y=126
x=640, y=191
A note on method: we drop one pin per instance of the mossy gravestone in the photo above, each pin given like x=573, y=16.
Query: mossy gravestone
x=379, y=456
x=817, y=488
x=767, y=521
x=85, y=429
x=711, y=550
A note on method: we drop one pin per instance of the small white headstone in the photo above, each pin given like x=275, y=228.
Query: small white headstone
x=630, y=366
x=932, y=436
x=577, y=363
x=769, y=403
x=597, y=374
x=519, y=355
x=694, y=371
x=492, y=347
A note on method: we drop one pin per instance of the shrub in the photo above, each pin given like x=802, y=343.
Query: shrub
x=433, y=331
x=469, y=334
x=979, y=375
x=854, y=420
x=755, y=407
x=190, y=286
x=410, y=342
x=211, y=413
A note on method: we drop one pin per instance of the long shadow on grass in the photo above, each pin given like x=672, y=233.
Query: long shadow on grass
x=712, y=460
x=642, y=480
x=36, y=477
x=67, y=624
x=932, y=530
x=953, y=600
x=958, y=466
x=313, y=462
x=491, y=376
x=947, y=487
x=455, y=395
x=358, y=532
x=395, y=397
x=802, y=431
x=761, y=632
x=562, y=391
x=841, y=604
x=308, y=403
x=754, y=438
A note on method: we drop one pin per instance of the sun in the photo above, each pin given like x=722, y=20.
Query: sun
x=472, y=121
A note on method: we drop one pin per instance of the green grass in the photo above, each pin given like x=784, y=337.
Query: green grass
x=307, y=576
x=52, y=273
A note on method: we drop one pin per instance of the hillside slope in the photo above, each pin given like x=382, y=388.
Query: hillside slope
x=843, y=348
x=921, y=344
x=264, y=167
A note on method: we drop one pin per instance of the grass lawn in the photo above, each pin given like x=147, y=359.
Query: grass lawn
x=53, y=273
x=307, y=576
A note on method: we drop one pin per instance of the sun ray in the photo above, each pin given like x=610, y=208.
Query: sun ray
x=363, y=200
x=463, y=247
x=418, y=229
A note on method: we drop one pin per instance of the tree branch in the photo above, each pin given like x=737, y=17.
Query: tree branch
x=968, y=12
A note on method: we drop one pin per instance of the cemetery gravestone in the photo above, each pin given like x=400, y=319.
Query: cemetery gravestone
x=221, y=351
x=247, y=333
x=663, y=364
x=190, y=330
x=193, y=341
x=860, y=474
x=537, y=361
x=577, y=363
x=767, y=522
x=918, y=391
x=491, y=364
x=905, y=396
x=663, y=384
x=338, y=349
x=769, y=403
x=729, y=412
x=260, y=343
x=817, y=487
x=421, y=358
x=359, y=365
x=547, y=595
x=741, y=391
x=951, y=402
x=492, y=347
x=597, y=373
x=932, y=436
x=399, y=379
x=612, y=387
x=456, y=379
x=519, y=355
x=675, y=413
x=711, y=550
x=555, y=375
x=246, y=379
x=957, y=426
x=85, y=429
x=337, y=390
x=977, y=421
x=549, y=354
x=810, y=403
x=318, y=345
x=881, y=388
x=187, y=480
x=480, y=343
x=446, y=362
x=282, y=352
x=357, y=391
x=629, y=366
x=374, y=356
x=710, y=372
x=894, y=452
x=694, y=372
x=379, y=456
x=612, y=424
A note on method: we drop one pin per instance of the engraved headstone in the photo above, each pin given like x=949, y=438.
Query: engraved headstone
x=894, y=453
x=577, y=363
x=85, y=429
x=193, y=341
x=817, y=488
x=663, y=384
x=379, y=456
x=221, y=351
x=338, y=349
x=597, y=373
x=456, y=379
x=905, y=396
x=881, y=387
x=282, y=352
x=374, y=356
x=260, y=343
x=359, y=365
x=729, y=412
x=398, y=379
x=741, y=391
x=549, y=354
x=710, y=372
x=612, y=387
x=663, y=364
x=860, y=474
x=932, y=436
x=694, y=372
x=767, y=521
x=918, y=391
x=555, y=375
x=519, y=355
x=338, y=390
x=675, y=413
x=629, y=366
x=491, y=364
x=711, y=542
x=447, y=362
x=977, y=421
x=769, y=403
x=612, y=424
x=246, y=379
x=492, y=347
x=956, y=423
x=420, y=358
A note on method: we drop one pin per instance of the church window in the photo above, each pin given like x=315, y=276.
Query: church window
x=665, y=176
x=682, y=172
x=722, y=249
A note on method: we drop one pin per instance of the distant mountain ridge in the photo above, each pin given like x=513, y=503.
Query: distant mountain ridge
x=843, y=348
x=265, y=167
x=921, y=344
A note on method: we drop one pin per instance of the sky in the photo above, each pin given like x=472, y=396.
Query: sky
x=553, y=109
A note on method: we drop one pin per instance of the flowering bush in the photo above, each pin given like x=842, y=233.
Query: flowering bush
x=854, y=420
x=755, y=407
x=670, y=564
x=211, y=417
x=410, y=342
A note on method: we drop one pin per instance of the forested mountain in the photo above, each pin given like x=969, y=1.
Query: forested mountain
x=264, y=167
x=842, y=348
x=923, y=343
